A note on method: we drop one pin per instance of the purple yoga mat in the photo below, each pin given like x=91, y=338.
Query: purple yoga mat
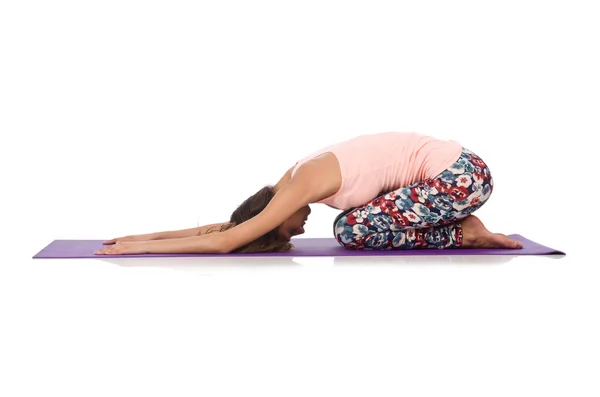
x=303, y=247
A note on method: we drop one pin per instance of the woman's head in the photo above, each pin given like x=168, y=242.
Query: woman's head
x=276, y=239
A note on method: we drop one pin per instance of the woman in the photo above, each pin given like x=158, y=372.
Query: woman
x=396, y=190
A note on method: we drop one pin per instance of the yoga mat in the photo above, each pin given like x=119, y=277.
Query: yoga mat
x=303, y=247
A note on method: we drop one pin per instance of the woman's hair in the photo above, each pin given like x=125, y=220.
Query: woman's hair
x=252, y=206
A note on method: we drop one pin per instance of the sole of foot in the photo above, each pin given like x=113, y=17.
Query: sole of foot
x=475, y=235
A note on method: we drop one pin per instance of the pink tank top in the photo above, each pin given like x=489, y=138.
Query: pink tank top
x=383, y=162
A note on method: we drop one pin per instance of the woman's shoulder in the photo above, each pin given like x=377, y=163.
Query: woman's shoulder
x=320, y=174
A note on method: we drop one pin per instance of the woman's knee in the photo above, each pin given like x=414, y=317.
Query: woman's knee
x=349, y=235
x=341, y=228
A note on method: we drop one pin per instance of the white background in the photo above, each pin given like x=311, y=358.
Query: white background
x=126, y=117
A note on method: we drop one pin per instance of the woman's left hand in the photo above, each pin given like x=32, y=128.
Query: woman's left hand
x=123, y=248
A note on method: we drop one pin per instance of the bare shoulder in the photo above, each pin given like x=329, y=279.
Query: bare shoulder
x=322, y=175
x=284, y=180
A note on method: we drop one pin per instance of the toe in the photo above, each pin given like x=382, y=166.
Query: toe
x=518, y=245
x=515, y=244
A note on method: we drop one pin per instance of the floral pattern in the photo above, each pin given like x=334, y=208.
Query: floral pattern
x=426, y=214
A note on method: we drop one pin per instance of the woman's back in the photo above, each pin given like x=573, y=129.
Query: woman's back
x=372, y=163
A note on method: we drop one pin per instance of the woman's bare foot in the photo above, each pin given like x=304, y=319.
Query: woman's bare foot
x=475, y=235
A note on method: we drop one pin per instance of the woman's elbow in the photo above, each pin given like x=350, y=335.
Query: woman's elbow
x=225, y=250
x=224, y=244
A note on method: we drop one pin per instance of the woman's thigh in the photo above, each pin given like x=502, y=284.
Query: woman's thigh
x=452, y=195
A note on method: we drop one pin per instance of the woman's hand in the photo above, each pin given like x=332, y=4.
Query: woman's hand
x=123, y=248
x=137, y=237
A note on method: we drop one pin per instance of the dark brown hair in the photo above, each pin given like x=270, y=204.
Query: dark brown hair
x=252, y=206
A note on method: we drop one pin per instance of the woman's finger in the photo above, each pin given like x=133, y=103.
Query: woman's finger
x=105, y=251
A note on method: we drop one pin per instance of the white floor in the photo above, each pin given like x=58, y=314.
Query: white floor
x=415, y=326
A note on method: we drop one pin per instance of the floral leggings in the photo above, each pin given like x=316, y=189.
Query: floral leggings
x=425, y=214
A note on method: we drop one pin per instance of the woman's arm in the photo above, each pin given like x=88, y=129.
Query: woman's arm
x=313, y=181
x=285, y=202
x=195, y=231
x=166, y=235
x=211, y=243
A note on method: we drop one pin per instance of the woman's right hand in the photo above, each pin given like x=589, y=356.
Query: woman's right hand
x=137, y=237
